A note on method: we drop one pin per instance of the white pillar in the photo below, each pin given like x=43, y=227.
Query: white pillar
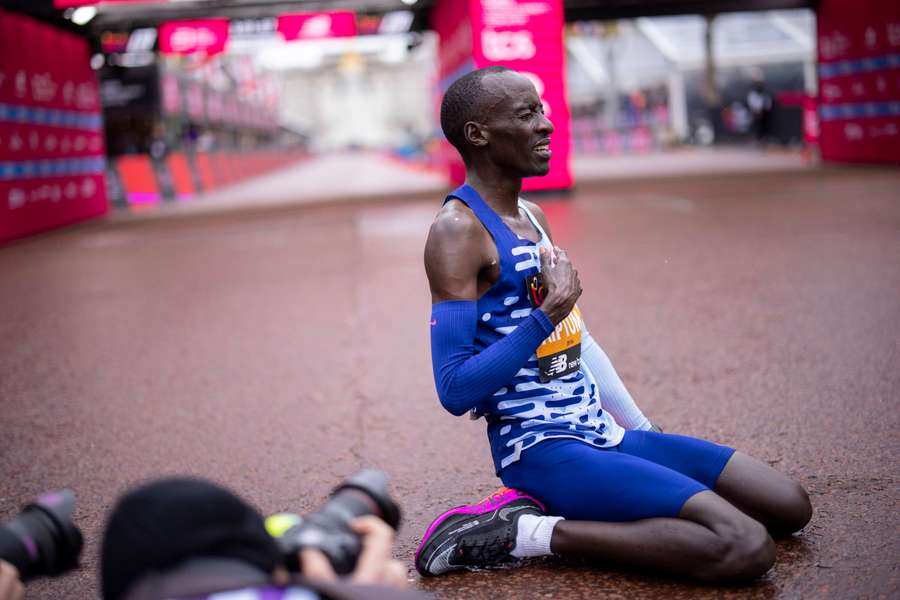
x=678, y=117
x=810, y=78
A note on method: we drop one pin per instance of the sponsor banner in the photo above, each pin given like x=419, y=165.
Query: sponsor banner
x=859, y=80
x=208, y=36
x=315, y=26
x=450, y=19
x=525, y=35
x=32, y=205
x=52, y=153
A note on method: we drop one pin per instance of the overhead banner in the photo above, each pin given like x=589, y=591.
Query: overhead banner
x=859, y=81
x=525, y=35
x=316, y=26
x=52, y=155
x=209, y=36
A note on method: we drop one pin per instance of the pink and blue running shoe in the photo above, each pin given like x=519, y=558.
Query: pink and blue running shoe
x=475, y=536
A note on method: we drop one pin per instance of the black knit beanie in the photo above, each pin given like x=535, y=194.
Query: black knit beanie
x=163, y=523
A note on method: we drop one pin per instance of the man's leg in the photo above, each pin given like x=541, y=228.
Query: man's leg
x=625, y=509
x=711, y=541
x=775, y=500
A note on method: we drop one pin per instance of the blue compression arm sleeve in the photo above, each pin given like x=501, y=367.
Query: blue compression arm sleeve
x=463, y=378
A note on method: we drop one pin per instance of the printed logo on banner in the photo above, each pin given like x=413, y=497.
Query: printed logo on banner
x=507, y=45
x=310, y=26
x=208, y=36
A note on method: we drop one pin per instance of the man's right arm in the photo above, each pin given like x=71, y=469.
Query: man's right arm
x=454, y=255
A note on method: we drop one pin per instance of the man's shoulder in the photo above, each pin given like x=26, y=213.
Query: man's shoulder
x=455, y=221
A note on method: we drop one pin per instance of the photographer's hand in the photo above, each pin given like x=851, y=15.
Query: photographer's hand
x=10, y=586
x=375, y=566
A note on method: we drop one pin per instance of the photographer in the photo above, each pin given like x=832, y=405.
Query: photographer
x=10, y=586
x=188, y=538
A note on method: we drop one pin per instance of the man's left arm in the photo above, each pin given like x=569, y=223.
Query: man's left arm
x=614, y=396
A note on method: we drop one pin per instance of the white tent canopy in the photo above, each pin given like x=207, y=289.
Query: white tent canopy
x=655, y=50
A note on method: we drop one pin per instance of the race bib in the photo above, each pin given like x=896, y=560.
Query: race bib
x=559, y=354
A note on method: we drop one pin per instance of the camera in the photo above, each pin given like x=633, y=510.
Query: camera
x=328, y=528
x=42, y=540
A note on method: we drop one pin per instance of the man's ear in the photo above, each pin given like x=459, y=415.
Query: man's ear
x=475, y=133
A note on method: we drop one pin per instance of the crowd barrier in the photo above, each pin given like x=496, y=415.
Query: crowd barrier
x=181, y=176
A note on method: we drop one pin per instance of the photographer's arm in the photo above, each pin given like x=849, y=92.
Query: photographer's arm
x=10, y=586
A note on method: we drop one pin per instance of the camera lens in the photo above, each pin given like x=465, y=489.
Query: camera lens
x=42, y=540
x=328, y=529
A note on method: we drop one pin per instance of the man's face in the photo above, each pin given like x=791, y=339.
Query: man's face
x=518, y=133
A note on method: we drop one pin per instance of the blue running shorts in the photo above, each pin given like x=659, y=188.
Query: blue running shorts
x=647, y=475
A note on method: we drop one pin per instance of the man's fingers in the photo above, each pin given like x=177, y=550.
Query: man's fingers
x=313, y=563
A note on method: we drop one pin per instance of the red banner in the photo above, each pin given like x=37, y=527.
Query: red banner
x=859, y=80
x=314, y=26
x=209, y=36
x=51, y=139
x=525, y=35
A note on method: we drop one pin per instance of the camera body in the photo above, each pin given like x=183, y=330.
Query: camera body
x=328, y=528
x=42, y=539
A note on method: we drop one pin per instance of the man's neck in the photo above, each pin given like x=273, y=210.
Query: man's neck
x=500, y=192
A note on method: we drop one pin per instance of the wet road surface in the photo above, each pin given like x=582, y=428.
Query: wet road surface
x=278, y=353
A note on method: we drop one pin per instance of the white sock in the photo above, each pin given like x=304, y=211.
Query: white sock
x=533, y=536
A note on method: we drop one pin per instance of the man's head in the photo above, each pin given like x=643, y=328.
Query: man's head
x=494, y=115
x=164, y=523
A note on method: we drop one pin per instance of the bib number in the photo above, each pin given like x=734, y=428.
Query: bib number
x=560, y=354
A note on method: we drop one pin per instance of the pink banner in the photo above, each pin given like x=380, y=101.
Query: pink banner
x=859, y=80
x=51, y=138
x=525, y=35
x=450, y=19
x=314, y=26
x=209, y=36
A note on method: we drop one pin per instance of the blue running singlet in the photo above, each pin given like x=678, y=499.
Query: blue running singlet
x=531, y=408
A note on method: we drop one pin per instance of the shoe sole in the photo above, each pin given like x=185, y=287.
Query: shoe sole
x=471, y=509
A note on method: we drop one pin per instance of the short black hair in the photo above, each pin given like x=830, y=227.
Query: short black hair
x=463, y=102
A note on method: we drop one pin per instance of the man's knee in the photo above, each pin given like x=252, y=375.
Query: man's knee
x=797, y=509
x=744, y=550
